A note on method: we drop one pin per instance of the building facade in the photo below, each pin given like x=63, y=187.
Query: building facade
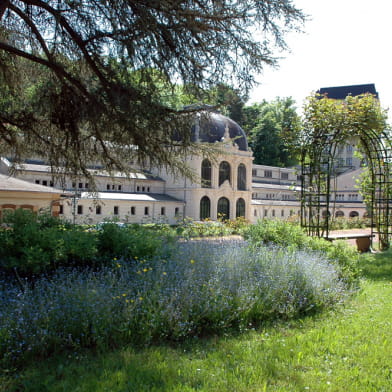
x=226, y=186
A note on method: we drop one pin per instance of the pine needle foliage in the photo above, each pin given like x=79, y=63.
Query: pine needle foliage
x=90, y=81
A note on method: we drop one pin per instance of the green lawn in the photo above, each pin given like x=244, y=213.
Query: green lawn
x=345, y=350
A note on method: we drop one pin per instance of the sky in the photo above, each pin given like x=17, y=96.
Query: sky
x=345, y=42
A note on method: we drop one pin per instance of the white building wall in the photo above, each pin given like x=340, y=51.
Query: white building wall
x=192, y=191
x=85, y=211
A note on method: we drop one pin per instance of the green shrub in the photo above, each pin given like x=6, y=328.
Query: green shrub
x=343, y=223
x=76, y=247
x=292, y=236
x=208, y=228
x=275, y=231
x=130, y=242
x=35, y=243
x=28, y=246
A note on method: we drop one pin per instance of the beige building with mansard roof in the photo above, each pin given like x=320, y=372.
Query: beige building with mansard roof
x=154, y=195
x=229, y=186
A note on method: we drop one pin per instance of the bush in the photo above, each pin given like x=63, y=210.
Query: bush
x=203, y=288
x=33, y=244
x=292, y=236
x=36, y=243
x=133, y=241
x=29, y=242
x=276, y=232
x=349, y=223
x=208, y=228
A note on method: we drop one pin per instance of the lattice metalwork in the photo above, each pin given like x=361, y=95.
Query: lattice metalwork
x=319, y=173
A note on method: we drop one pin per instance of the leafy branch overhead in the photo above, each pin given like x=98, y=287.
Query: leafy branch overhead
x=88, y=81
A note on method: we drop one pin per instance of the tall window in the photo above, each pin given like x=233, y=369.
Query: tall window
x=206, y=174
x=115, y=210
x=224, y=172
x=98, y=210
x=240, y=208
x=224, y=208
x=205, y=208
x=241, y=178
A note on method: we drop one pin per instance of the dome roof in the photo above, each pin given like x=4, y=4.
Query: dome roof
x=211, y=128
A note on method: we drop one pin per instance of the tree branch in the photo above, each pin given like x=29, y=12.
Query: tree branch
x=58, y=69
x=77, y=39
x=34, y=29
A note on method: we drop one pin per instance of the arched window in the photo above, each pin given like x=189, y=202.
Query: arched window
x=241, y=177
x=354, y=214
x=224, y=208
x=339, y=214
x=205, y=208
x=206, y=174
x=240, y=208
x=224, y=172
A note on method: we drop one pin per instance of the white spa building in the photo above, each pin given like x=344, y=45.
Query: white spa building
x=230, y=186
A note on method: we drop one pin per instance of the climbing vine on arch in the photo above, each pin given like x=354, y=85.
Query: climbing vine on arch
x=327, y=125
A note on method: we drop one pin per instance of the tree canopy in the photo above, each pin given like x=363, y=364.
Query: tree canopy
x=90, y=81
x=273, y=131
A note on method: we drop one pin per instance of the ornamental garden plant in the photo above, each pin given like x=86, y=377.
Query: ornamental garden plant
x=154, y=288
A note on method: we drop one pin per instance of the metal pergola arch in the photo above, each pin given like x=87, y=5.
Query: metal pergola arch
x=319, y=169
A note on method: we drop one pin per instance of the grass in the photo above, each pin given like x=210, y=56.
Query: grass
x=347, y=349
